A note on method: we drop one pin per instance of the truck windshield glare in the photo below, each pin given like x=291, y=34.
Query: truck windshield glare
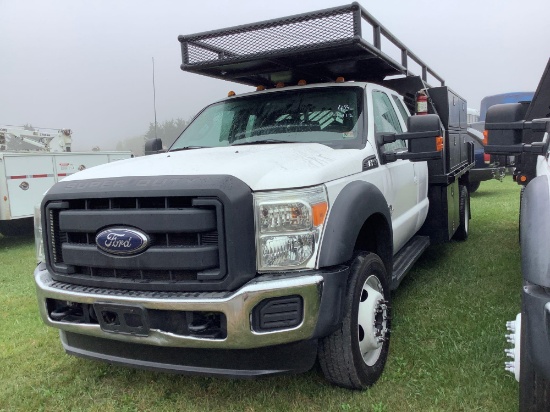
x=327, y=115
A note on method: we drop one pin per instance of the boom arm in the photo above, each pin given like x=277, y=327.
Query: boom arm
x=48, y=141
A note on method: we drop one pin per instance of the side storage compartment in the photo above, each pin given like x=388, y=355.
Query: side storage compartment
x=444, y=213
x=451, y=109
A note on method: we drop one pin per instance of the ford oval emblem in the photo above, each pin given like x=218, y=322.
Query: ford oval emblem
x=122, y=241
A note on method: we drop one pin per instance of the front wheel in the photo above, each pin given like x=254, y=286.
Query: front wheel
x=355, y=354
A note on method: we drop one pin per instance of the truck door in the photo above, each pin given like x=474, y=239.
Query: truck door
x=401, y=173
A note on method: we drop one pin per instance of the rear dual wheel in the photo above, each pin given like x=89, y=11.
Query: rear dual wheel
x=464, y=212
x=354, y=355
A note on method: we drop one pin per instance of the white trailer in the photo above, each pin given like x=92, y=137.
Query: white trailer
x=26, y=176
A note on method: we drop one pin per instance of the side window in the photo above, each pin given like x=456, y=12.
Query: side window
x=386, y=120
x=402, y=109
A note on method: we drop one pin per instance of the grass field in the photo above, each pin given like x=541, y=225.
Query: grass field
x=446, y=353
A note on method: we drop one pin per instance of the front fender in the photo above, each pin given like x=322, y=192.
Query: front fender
x=354, y=205
x=535, y=232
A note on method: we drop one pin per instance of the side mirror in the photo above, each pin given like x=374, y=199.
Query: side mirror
x=503, y=123
x=153, y=146
x=504, y=126
x=425, y=139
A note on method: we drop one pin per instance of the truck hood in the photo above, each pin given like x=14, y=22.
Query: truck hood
x=261, y=167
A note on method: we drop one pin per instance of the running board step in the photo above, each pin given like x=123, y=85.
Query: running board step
x=406, y=257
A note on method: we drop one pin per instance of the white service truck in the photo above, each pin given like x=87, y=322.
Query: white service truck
x=27, y=172
x=273, y=230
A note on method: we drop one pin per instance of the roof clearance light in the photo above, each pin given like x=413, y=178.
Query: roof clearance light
x=231, y=94
x=279, y=85
x=340, y=79
x=302, y=82
x=260, y=88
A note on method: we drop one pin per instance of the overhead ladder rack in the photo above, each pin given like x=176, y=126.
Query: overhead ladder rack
x=317, y=46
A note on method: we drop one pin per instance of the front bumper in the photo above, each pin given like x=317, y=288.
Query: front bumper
x=321, y=293
x=536, y=314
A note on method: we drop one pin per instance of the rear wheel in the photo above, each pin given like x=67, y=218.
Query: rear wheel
x=464, y=212
x=354, y=355
x=473, y=186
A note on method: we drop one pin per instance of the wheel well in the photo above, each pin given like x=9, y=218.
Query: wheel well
x=375, y=236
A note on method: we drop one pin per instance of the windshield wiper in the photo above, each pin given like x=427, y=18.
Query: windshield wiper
x=266, y=141
x=188, y=148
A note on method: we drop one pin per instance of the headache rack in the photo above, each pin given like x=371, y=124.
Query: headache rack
x=316, y=46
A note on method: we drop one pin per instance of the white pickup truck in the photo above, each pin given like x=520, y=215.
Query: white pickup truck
x=272, y=231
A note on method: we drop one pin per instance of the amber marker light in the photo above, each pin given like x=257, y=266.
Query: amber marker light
x=280, y=85
x=260, y=88
x=485, y=137
x=340, y=79
x=319, y=212
x=302, y=83
x=231, y=94
x=439, y=143
x=523, y=178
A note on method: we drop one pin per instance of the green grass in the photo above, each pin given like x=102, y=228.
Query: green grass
x=447, y=348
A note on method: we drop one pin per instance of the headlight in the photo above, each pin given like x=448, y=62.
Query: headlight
x=38, y=240
x=288, y=227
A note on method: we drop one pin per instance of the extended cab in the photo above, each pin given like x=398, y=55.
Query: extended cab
x=273, y=230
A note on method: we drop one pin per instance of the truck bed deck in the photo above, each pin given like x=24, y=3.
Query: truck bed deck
x=317, y=46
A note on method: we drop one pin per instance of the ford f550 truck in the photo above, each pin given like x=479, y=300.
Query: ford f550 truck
x=273, y=230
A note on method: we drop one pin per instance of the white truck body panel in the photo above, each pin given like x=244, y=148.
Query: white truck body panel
x=25, y=177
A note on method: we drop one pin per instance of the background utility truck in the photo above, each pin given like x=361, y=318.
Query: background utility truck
x=273, y=230
x=522, y=130
x=31, y=161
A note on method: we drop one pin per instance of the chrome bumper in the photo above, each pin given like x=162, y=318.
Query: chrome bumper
x=236, y=306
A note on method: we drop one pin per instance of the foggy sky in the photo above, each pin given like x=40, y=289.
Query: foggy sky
x=86, y=65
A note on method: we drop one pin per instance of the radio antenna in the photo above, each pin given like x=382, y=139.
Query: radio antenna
x=154, y=97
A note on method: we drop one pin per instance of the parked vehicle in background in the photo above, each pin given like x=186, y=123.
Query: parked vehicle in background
x=503, y=98
x=472, y=116
x=487, y=166
x=483, y=168
x=522, y=130
x=31, y=161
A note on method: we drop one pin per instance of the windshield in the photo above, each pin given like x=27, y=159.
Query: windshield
x=327, y=115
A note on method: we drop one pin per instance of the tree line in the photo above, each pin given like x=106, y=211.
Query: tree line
x=168, y=131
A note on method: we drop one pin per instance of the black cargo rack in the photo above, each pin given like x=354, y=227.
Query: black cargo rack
x=316, y=46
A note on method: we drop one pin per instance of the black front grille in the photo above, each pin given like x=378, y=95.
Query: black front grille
x=200, y=228
x=186, y=241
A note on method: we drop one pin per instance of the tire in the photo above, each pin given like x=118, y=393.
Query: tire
x=16, y=227
x=464, y=212
x=473, y=186
x=354, y=355
x=534, y=390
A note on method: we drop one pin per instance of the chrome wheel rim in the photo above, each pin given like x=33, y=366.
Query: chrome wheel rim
x=372, y=320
